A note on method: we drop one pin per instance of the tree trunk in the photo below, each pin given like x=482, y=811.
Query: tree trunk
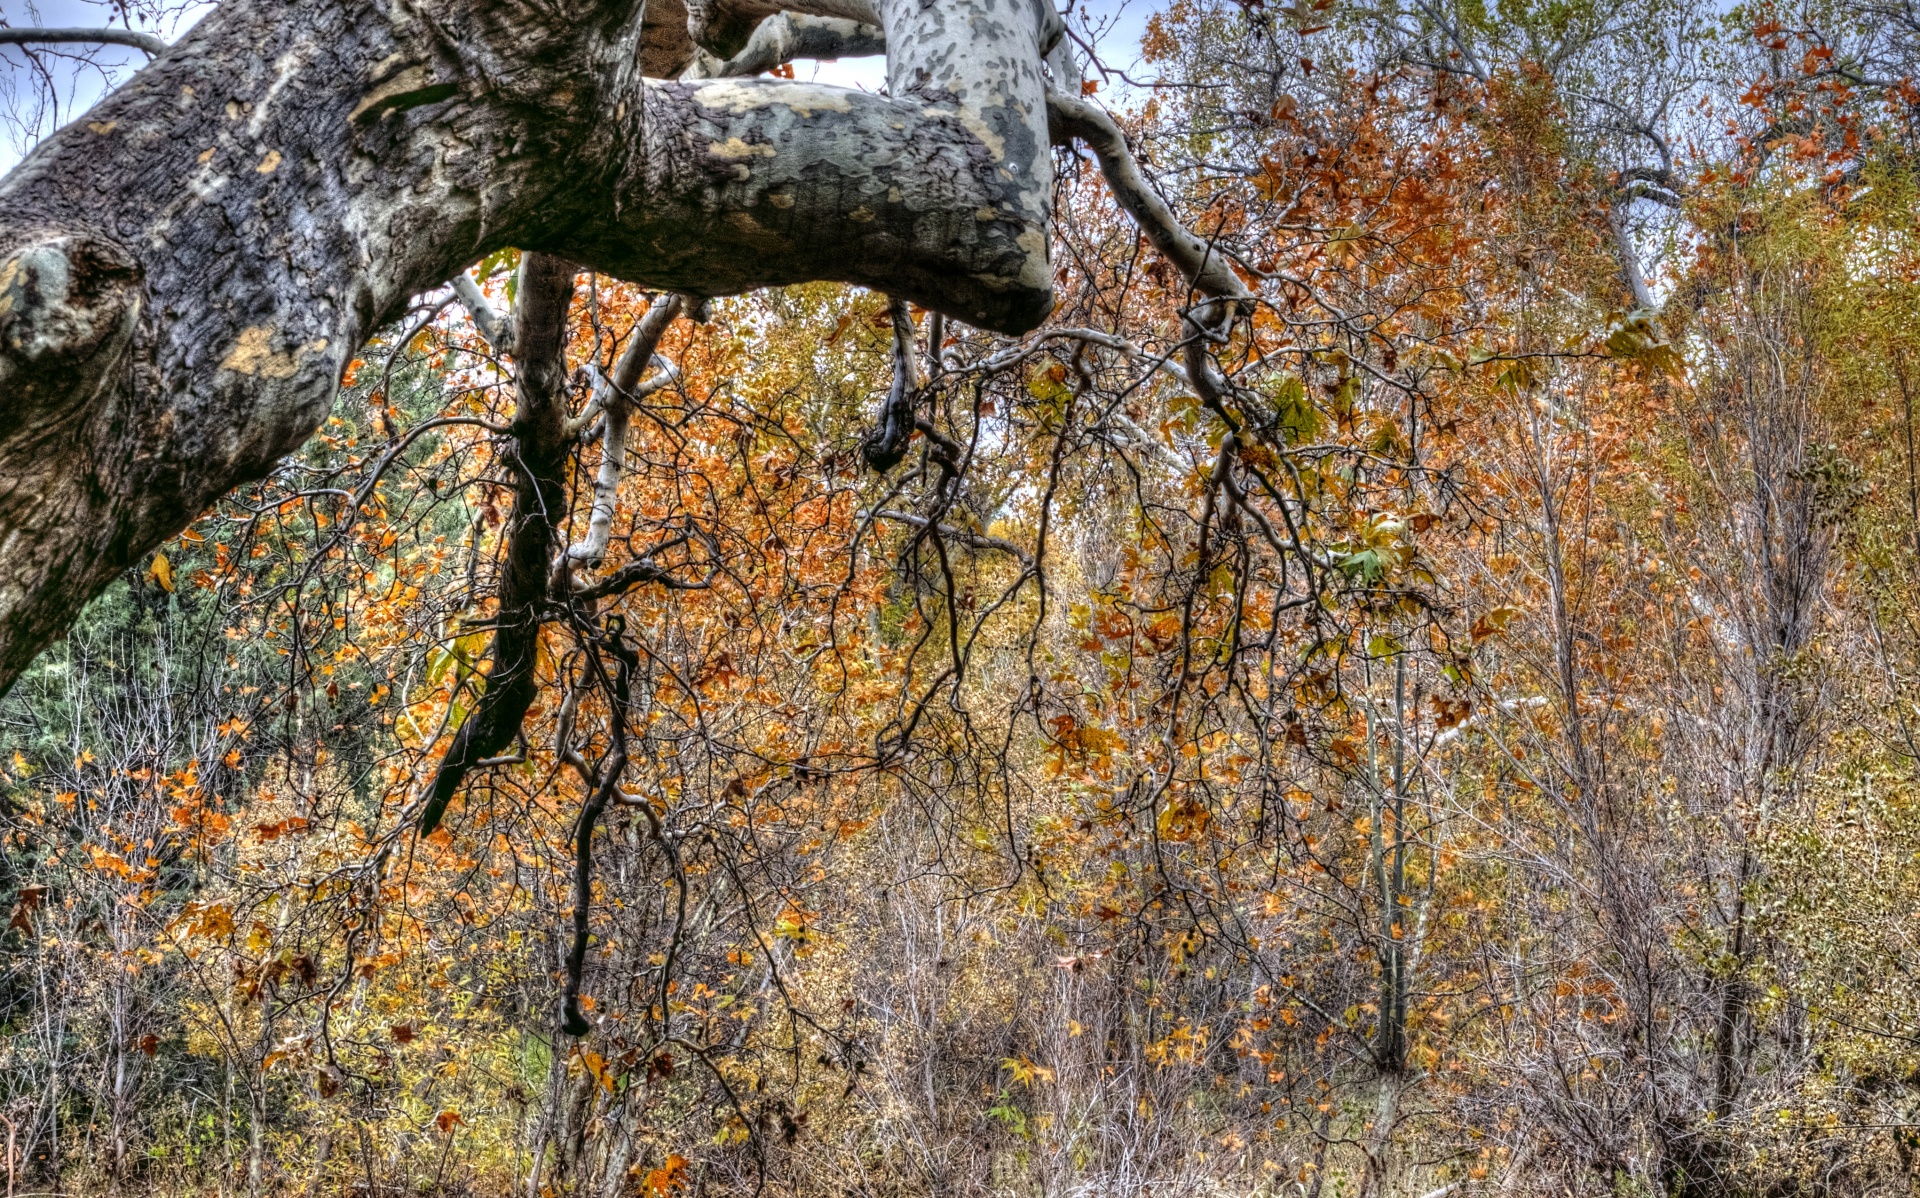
x=186, y=271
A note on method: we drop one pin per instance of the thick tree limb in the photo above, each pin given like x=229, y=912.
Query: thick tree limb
x=97, y=37
x=726, y=27
x=187, y=271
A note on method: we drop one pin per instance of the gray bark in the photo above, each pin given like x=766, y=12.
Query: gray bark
x=186, y=270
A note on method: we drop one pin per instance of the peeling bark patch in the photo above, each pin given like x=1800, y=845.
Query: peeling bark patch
x=740, y=96
x=756, y=234
x=9, y=274
x=254, y=355
x=409, y=88
x=269, y=164
x=735, y=148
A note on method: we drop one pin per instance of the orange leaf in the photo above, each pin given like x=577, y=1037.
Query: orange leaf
x=667, y=1179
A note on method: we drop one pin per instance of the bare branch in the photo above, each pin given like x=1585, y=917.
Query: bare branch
x=886, y=444
x=615, y=393
x=1205, y=267
x=786, y=36
x=491, y=325
x=648, y=571
x=146, y=42
x=973, y=540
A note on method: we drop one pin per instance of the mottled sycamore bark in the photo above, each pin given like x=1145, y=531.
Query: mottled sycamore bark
x=185, y=271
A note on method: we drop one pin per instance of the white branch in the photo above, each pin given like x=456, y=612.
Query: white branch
x=615, y=394
x=1629, y=257
x=1204, y=266
x=1145, y=440
x=146, y=42
x=786, y=36
x=497, y=330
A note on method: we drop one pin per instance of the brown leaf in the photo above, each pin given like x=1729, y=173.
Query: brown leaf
x=1345, y=752
x=25, y=906
x=1493, y=623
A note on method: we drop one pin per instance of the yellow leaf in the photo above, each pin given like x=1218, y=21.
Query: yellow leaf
x=161, y=571
x=597, y=1065
x=1182, y=819
x=1026, y=1072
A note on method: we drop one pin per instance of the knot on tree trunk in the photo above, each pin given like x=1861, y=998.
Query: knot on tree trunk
x=67, y=311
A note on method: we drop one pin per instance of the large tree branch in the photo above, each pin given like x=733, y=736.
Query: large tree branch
x=726, y=27
x=97, y=37
x=187, y=271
